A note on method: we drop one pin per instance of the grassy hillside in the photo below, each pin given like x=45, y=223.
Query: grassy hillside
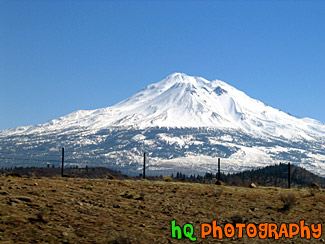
x=75, y=210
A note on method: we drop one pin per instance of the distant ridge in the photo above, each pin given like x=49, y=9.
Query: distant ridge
x=275, y=175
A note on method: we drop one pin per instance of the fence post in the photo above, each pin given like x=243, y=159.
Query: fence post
x=62, y=161
x=218, y=169
x=289, y=175
x=144, y=165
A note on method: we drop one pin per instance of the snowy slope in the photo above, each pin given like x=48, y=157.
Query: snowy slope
x=185, y=101
x=184, y=123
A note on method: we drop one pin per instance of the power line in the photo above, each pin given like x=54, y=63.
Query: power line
x=85, y=151
x=33, y=149
x=34, y=154
x=83, y=162
x=30, y=159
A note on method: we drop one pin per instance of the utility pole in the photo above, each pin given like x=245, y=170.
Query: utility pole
x=62, y=161
x=218, y=169
x=289, y=175
x=144, y=165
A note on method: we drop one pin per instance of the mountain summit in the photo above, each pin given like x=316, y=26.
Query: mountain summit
x=186, y=101
x=184, y=123
x=183, y=101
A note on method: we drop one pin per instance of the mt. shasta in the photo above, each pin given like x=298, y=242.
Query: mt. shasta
x=184, y=123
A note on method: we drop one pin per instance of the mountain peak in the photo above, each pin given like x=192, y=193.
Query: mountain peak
x=185, y=120
x=180, y=101
x=182, y=78
x=178, y=76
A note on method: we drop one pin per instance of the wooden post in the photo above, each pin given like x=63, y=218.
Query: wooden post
x=289, y=175
x=218, y=169
x=144, y=165
x=62, y=161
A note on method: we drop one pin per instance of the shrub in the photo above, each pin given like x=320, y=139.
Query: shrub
x=288, y=199
x=168, y=179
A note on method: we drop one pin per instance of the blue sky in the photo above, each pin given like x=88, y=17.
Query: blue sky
x=60, y=56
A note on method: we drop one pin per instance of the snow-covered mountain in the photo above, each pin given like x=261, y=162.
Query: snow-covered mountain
x=185, y=122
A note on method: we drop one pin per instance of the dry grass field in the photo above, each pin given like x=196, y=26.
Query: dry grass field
x=74, y=210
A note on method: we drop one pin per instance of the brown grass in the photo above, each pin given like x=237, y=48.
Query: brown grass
x=289, y=199
x=66, y=210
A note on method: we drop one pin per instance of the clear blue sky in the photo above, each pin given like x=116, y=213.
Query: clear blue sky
x=60, y=56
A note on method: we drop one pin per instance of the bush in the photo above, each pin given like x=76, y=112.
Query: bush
x=168, y=179
x=288, y=199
